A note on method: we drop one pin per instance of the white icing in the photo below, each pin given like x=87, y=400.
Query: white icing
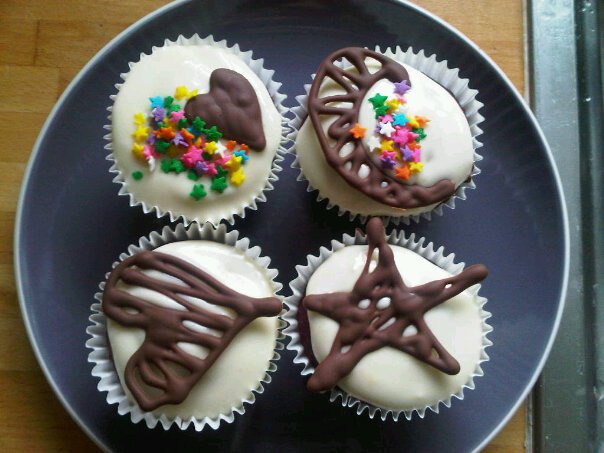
x=389, y=378
x=364, y=303
x=447, y=150
x=383, y=303
x=242, y=365
x=158, y=75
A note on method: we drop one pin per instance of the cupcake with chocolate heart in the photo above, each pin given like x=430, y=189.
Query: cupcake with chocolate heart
x=388, y=324
x=176, y=316
x=388, y=134
x=197, y=131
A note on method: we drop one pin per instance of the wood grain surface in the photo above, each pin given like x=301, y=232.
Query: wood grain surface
x=43, y=44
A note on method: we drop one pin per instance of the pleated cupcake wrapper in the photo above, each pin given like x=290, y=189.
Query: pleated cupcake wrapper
x=265, y=75
x=298, y=287
x=104, y=367
x=449, y=79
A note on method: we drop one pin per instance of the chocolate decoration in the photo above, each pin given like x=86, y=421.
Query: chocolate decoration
x=159, y=372
x=379, y=185
x=364, y=330
x=232, y=106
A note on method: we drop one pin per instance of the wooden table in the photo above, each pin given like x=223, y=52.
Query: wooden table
x=43, y=44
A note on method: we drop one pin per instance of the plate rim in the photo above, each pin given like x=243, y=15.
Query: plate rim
x=175, y=3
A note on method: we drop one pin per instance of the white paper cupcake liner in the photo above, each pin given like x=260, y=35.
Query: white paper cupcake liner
x=265, y=75
x=446, y=77
x=298, y=287
x=104, y=367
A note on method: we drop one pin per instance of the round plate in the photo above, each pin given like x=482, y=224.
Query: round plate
x=71, y=226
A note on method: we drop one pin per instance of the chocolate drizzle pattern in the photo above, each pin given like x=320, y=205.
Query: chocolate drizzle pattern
x=378, y=184
x=232, y=106
x=379, y=309
x=159, y=372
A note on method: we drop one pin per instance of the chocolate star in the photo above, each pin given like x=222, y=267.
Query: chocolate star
x=159, y=372
x=379, y=309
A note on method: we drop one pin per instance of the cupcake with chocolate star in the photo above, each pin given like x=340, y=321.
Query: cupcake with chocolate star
x=197, y=130
x=187, y=328
x=388, y=134
x=387, y=324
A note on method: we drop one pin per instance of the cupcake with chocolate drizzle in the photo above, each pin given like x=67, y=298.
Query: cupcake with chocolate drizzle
x=388, y=134
x=388, y=324
x=197, y=130
x=177, y=317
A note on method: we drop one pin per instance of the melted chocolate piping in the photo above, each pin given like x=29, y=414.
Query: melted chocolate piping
x=364, y=330
x=232, y=106
x=379, y=185
x=159, y=372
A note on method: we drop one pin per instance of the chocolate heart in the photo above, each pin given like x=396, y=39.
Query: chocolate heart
x=232, y=106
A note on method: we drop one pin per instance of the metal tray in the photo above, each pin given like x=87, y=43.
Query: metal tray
x=566, y=95
x=71, y=226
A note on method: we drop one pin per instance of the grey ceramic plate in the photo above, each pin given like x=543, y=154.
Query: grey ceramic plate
x=71, y=226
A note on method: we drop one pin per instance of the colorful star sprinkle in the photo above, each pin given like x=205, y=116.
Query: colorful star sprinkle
x=407, y=153
x=238, y=177
x=164, y=136
x=139, y=119
x=397, y=136
x=388, y=159
x=137, y=150
x=219, y=183
x=386, y=145
x=386, y=129
x=393, y=104
x=198, y=192
x=402, y=172
x=141, y=133
x=210, y=147
x=357, y=131
x=401, y=87
x=400, y=120
x=373, y=142
x=377, y=100
x=416, y=166
x=181, y=92
x=381, y=110
x=156, y=102
x=177, y=116
x=241, y=154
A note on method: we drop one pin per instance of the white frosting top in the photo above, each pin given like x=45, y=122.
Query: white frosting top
x=158, y=75
x=447, y=150
x=389, y=378
x=242, y=365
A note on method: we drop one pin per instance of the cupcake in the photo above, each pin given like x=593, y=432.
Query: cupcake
x=388, y=324
x=387, y=134
x=196, y=131
x=187, y=328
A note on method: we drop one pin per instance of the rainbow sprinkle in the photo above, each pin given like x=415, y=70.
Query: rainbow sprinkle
x=164, y=138
x=397, y=136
